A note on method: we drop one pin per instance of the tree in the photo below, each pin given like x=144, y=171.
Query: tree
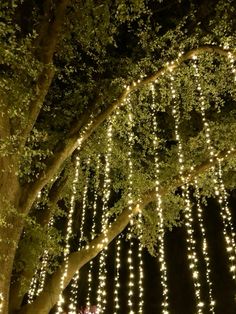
x=64, y=65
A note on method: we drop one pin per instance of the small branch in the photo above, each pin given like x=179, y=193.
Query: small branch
x=71, y=143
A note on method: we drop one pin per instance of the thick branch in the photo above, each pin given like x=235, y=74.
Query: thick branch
x=71, y=143
x=45, y=46
x=48, y=298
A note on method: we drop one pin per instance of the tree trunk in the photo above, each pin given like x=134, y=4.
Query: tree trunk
x=11, y=224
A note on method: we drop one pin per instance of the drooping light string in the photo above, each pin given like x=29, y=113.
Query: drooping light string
x=140, y=263
x=75, y=279
x=159, y=209
x=191, y=248
x=130, y=203
x=204, y=247
x=60, y=302
x=218, y=183
x=228, y=229
x=101, y=293
x=44, y=264
x=117, y=277
x=141, y=277
x=93, y=228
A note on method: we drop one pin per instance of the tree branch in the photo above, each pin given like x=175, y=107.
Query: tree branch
x=71, y=143
x=48, y=298
x=45, y=46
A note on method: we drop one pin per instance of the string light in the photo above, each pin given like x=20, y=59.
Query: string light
x=228, y=229
x=130, y=203
x=192, y=255
x=141, y=277
x=60, y=302
x=75, y=280
x=93, y=228
x=219, y=189
x=204, y=247
x=117, y=283
x=159, y=209
x=101, y=293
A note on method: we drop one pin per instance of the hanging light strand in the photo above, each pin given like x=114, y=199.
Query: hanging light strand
x=141, y=278
x=228, y=230
x=93, y=228
x=101, y=293
x=130, y=203
x=60, y=302
x=75, y=279
x=191, y=248
x=217, y=179
x=117, y=277
x=159, y=209
x=204, y=247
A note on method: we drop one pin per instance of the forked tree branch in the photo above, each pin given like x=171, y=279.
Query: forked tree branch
x=70, y=144
x=48, y=298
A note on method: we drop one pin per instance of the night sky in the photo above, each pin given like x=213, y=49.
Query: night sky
x=181, y=290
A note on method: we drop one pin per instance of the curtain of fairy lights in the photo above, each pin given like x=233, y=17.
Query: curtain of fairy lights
x=101, y=293
x=204, y=246
x=93, y=228
x=75, y=280
x=228, y=230
x=159, y=208
x=130, y=202
x=192, y=255
x=60, y=302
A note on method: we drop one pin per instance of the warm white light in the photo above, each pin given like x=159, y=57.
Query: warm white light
x=220, y=193
x=60, y=302
x=204, y=247
x=192, y=255
x=117, y=276
x=93, y=228
x=101, y=293
x=159, y=208
x=130, y=201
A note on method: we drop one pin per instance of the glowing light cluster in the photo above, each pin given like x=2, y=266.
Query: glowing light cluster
x=68, y=236
x=204, y=247
x=101, y=294
x=192, y=255
x=117, y=283
x=159, y=209
x=228, y=228
x=93, y=228
x=75, y=280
